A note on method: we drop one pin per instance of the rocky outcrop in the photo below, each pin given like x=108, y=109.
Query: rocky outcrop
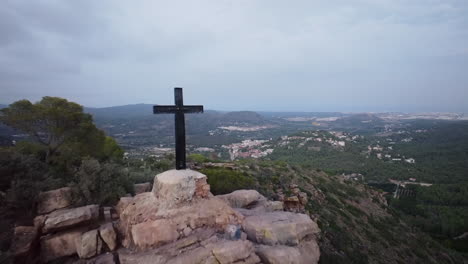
x=242, y=198
x=203, y=246
x=66, y=218
x=53, y=200
x=89, y=244
x=170, y=225
x=295, y=202
x=178, y=221
x=107, y=233
x=145, y=213
x=59, y=245
x=307, y=252
x=282, y=228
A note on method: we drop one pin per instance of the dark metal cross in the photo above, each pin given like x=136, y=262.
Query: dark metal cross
x=179, y=109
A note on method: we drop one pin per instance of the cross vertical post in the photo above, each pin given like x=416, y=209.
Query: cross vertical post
x=179, y=130
x=179, y=109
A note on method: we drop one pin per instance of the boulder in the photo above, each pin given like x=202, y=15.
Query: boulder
x=178, y=186
x=24, y=242
x=106, y=258
x=198, y=248
x=145, y=213
x=66, y=218
x=107, y=233
x=142, y=187
x=154, y=233
x=227, y=251
x=89, y=244
x=242, y=198
x=282, y=228
x=122, y=204
x=59, y=245
x=172, y=210
x=53, y=200
x=307, y=253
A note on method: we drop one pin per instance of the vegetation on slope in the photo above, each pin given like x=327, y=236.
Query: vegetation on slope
x=357, y=225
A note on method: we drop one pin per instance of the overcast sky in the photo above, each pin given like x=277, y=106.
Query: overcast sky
x=348, y=55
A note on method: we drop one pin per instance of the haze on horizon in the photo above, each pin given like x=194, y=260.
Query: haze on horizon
x=359, y=55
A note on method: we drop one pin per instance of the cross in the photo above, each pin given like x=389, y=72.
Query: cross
x=179, y=109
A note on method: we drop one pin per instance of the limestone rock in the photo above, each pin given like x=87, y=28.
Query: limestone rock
x=142, y=187
x=154, y=233
x=59, y=245
x=198, y=248
x=282, y=228
x=107, y=233
x=66, y=218
x=24, y=240
x=122, y=204
x=242, y=198
x=177, y=186
x=107, y=258
x=88, y=244
x=232, y=251
x=171, y=208
x=53, y=200
x=307, y=253
x=209, y=212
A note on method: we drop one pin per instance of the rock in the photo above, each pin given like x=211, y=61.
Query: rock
x=39, y=222
x=271, y=206
x=232, y=251
x=172, y=206
x=24, y=242
x=142, y=187
x=187, y=231
x=66, y=218
x=107, y=233
x=177, y=186
x=293, y=204
x=89, y=244
x=242, y=198
x=210, y=212
x=53, y=200
x=107, y=258
x=199, y=249
x=306, y=253
x=282, y=228
x=262, y=207
x=122, y=204
x=302, y=198
x=59, y=245
x=154, y=233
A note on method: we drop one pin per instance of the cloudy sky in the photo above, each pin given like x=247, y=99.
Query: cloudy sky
x=344, y=55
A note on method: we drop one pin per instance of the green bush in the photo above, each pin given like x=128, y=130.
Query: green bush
x=224, y=181
x=101, y=183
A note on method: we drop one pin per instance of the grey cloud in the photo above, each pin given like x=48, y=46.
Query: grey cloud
x=260, y=55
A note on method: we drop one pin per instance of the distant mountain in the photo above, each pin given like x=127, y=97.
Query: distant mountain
x=3, y=106
x=121, y=112
x=243, y=117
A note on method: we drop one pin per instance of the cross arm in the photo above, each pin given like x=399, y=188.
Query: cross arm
x=166, y=109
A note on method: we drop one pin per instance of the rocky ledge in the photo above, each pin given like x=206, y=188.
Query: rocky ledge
x=178, y=221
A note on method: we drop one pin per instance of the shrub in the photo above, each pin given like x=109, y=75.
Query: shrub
x=224, y=181
x=101, y=183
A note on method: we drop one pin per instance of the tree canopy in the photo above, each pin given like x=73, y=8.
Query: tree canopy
x=60, y=126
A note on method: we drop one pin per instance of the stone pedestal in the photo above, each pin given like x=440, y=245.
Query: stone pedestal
x=178, y=186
